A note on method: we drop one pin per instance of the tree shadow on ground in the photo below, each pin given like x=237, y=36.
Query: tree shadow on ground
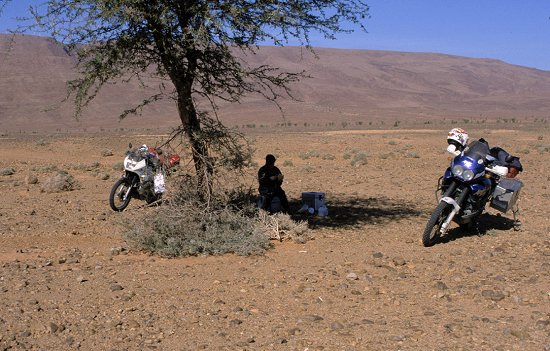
x=486, y=224
x=353, y=212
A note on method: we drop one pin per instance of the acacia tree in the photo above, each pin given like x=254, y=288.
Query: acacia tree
x=196, y=44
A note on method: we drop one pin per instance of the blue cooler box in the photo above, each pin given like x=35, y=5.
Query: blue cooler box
x=313, y=199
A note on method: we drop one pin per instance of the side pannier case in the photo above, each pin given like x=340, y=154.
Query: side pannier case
x=506, y=194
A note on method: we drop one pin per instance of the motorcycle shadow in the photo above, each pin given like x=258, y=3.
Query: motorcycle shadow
x=486, y=224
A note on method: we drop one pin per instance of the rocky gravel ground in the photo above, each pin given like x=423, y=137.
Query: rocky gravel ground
x=68, y=279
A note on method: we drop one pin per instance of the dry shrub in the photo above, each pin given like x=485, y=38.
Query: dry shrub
x=187, y=225
x=61, y=181
x=280, y=226
x=7, y=171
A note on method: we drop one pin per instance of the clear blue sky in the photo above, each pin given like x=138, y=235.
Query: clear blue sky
x=513, y=31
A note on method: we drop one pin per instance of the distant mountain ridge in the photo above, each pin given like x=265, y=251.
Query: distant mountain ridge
x=346, y=85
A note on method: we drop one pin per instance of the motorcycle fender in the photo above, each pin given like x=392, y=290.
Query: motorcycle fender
x=451, y=201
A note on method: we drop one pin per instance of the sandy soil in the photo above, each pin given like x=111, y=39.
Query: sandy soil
x=68, y=281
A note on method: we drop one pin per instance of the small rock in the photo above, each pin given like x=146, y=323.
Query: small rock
x=235, y=322
x=31, y=179
x=294, y=331
x=520, y=334
x=132, y=324
x=377, y=255
x=53, y=328
x=398, y=261
x=281, y=341
x=116, y=287
x=81, y=279
x=352, y=276
x=313, y=318
x=336, y=326
x=441, y=286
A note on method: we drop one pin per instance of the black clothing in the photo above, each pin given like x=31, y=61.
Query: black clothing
x=264, y=177
x=503, y=157
x=271, y=188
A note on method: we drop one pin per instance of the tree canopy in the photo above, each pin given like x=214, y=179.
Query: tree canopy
x=198, y=45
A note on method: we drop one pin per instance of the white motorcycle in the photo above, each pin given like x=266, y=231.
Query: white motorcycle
x=144, y=175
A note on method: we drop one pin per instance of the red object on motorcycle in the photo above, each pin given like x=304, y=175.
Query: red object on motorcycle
x=174, y=160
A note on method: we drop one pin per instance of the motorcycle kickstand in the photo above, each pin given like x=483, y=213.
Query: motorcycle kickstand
x=517, y=222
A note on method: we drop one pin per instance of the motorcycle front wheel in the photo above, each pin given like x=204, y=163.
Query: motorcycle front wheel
x=433, y=227
x=118, y=199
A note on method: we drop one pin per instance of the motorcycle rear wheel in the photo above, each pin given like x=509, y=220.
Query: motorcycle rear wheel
x=116, y=198
x=433, y=227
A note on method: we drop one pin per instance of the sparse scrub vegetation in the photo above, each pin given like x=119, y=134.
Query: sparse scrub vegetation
x=316, y=154
x=7, y=171
x=84, y=167
x=288, y=163
x=542, y=148
x=307, y=169
x=186, y=225
x=281, y=227
x=359, y=159
x=106, y=153
x=45, y=168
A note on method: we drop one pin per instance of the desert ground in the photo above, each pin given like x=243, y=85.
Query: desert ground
x=69, y=280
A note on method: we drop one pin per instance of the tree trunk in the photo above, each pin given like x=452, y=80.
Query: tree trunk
x=199, y=148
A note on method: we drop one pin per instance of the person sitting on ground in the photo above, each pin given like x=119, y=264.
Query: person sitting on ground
x=458, y=139
x=270, y=180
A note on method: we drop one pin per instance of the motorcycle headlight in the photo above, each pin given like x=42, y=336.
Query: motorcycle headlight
x=458, y=170
x=468, y=175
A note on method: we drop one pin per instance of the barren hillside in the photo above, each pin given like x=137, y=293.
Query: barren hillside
x=351, y=85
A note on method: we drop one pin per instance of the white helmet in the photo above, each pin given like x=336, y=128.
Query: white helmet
x=458, y=137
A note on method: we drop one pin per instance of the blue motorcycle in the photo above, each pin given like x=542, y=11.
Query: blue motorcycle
x=465, y=188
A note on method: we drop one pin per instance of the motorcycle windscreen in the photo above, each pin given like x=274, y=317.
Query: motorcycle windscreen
x=477, y=150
